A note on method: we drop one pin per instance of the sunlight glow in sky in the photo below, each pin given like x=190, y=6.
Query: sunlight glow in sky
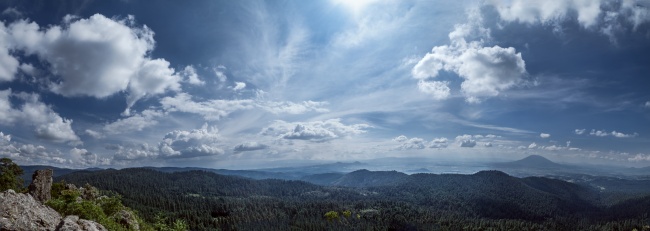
x=241, y=84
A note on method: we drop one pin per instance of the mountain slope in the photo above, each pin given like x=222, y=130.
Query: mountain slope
x=532, y=161
x=380, y=199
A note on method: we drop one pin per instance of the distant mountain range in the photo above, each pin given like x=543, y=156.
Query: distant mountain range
x=532, y=161
x=336, y=174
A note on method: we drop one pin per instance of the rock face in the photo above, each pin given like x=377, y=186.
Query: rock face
x=41, y=185
x=73, y=223
x=21, y=212
x=127, y=219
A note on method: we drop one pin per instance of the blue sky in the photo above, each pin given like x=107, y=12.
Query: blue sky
x=245, y=84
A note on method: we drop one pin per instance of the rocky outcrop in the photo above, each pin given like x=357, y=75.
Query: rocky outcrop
x=41, y=185
x=127, y=219
x=22, y=212
x=73, y=223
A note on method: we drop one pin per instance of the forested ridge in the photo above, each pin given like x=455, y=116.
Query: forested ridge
x=209, y=201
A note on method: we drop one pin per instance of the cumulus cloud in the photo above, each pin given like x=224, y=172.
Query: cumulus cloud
x=153, y=77
x=468, y=143
x=488, y=144
x=441, y=142
x=190, y=76
x=623, y=135
x=29, y=153
x=83, y=157
x=412, y=143
x=400, y=138
x=210, y=109
x=8, y=63
x=249, y=146
x=219, y=73
x=485, y=70
x=553, y=148
x=639, y=157
x=580, y=131
x=532, y=146
x=437, y=89
x=194, y=143
x=316, y=131
x=598, y=133
x=48, y=125
x=544, y=135
x=605, y=16
x=546, y=11
x=97, y=57
x=603, y=133
x=133, y=123
x=239, y=86
x=4, y=139
x=94, y=134
x=126, y=153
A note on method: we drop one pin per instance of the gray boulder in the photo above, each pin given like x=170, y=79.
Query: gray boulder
x=22, y=212
x=41, y=185
x=127, y=219
x=73, y=223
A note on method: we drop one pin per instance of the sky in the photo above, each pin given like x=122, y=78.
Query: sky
x=251, y=84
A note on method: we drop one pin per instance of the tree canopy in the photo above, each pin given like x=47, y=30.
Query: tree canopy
x=10, y=174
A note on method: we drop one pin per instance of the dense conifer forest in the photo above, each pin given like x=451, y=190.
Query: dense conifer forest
x=485, y=200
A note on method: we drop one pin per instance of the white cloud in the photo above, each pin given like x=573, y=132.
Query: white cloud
x=580, y=131
x=133, y=123
x=82, y=157
x=532, y=146
x=438, y=89
x=317, y=131
x=153, y=77
x=191, y=77
x=4, y=139
x=400, y=138
x=194, y=143
x=125, y=154
x=598, y=133
x=219, y=72
x=276, y=107
x=647, y=104
x=407, y=144
x=249, y=146
x=439, y=140
x=639, y=157
x=468, y=143
x=8, y=63
x=553, y=148
x=544, y=135
x=488, y=144
x=602, y=15
x=623, y=135
x=603, y=133
x=485, y=71
x=239, y=86
x=13, y=12
x=210, y=109
x=550, y=10
x=94, y=134
x=48, y=125
x=97, y=57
